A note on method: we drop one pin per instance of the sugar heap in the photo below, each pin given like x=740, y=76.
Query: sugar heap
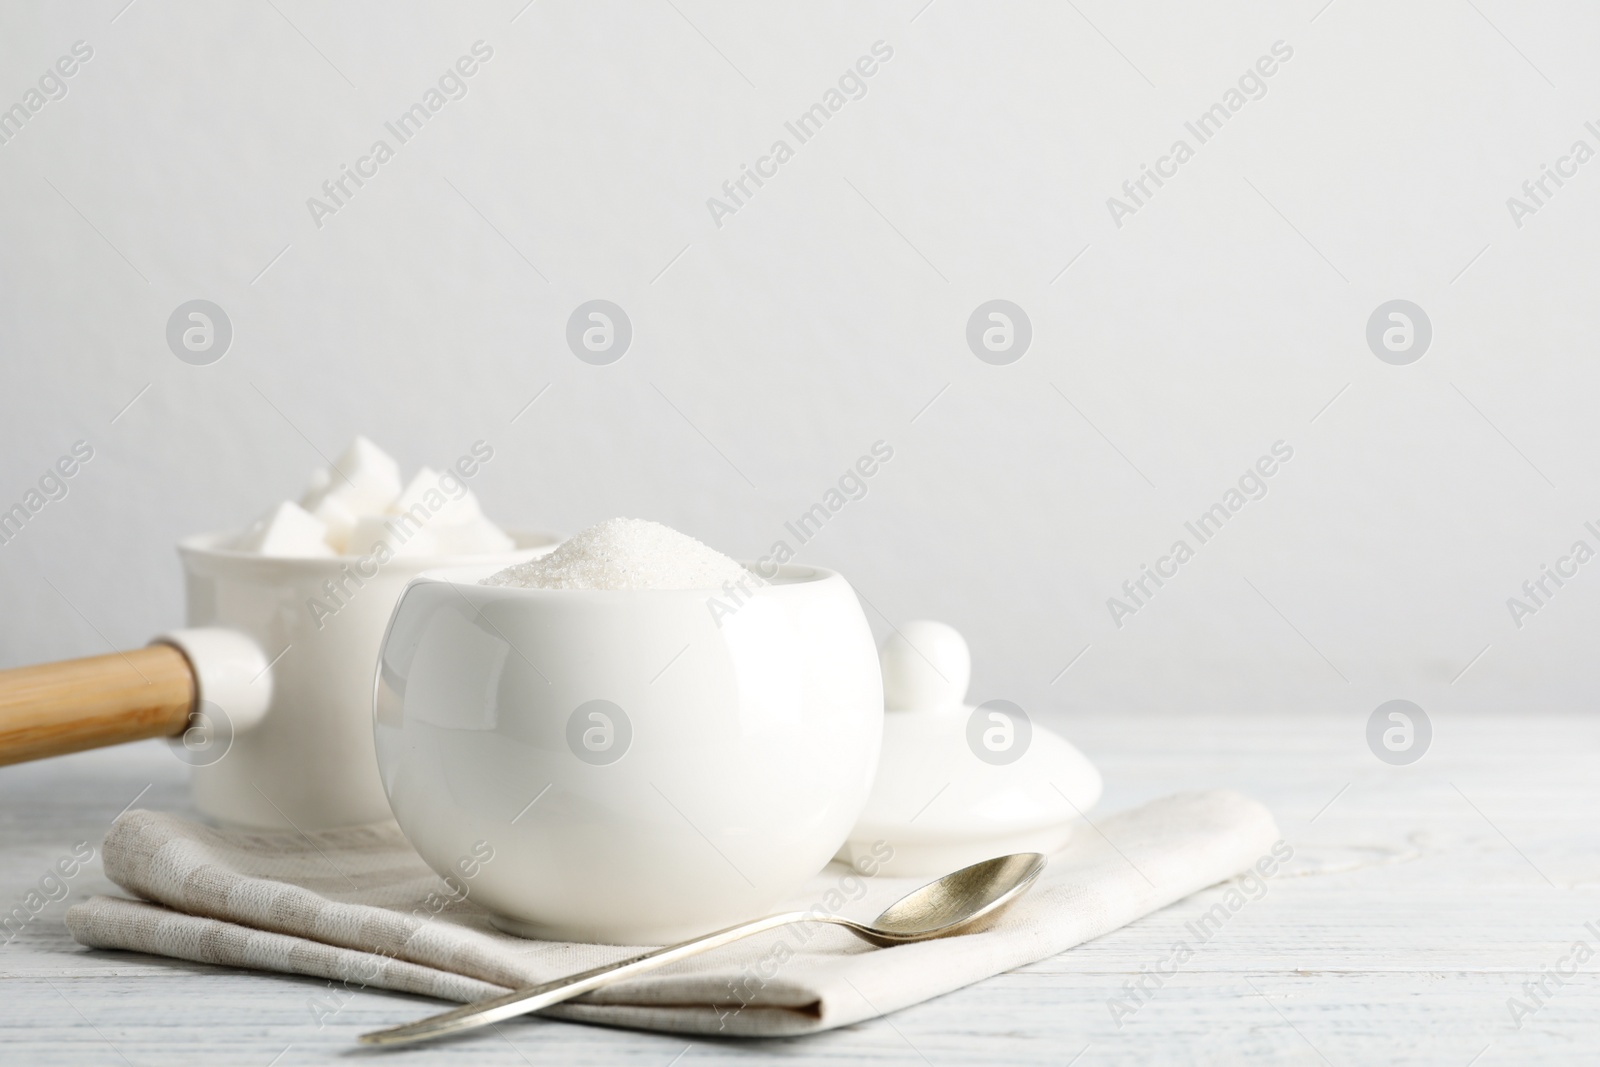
x=351, y=508
x=626, y=554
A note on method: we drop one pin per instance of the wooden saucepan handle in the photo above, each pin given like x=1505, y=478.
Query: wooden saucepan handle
x=55, y=708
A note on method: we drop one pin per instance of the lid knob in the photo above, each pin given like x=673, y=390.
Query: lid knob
x=926, y=667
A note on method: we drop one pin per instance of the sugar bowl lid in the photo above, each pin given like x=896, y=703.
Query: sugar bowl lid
x=959, y=783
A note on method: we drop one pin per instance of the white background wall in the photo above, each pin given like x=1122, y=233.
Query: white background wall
x=832, y=308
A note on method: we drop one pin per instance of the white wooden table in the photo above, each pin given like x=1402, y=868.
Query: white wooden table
x=1423, y=898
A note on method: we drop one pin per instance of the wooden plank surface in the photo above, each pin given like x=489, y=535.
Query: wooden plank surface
x=1419, y=901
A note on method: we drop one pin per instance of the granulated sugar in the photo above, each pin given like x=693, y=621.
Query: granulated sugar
x=626, y=554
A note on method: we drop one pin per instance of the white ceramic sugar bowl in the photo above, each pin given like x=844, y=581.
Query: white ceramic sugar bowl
x=956, y=783
x=643, y=767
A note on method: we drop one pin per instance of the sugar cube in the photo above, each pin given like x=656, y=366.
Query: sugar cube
x=286, y=530
x=365, y=479
x=440, y=504
x=404, y=536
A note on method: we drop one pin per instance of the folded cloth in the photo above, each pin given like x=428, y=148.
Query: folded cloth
x=359, y=907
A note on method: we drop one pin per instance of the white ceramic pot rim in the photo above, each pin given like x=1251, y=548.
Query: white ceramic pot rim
x=211, y=546
x=788, y=575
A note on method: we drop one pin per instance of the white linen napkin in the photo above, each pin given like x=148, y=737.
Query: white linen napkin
x=360, y=908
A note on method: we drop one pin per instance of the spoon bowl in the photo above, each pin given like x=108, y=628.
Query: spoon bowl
x=961, y=902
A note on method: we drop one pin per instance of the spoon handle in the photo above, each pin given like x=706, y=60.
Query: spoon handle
x=533, y=998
